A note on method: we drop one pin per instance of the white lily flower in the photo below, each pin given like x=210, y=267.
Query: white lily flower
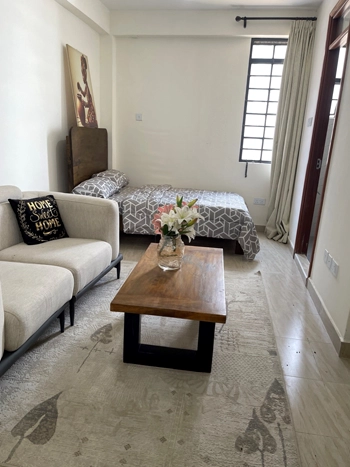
x=190, y=233
x=178, y=219
x=183, y=214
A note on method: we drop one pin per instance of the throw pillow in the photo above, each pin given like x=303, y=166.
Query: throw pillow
x=39, y=219
x=97, y=187
x=118, y=177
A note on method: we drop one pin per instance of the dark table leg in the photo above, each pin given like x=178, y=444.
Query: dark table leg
x=168, y=357
x=205, y=346
x=132, y=334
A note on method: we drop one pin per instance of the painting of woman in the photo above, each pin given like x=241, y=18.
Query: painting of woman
x=82, y=93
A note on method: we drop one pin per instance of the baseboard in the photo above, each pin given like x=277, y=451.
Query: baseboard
x=342, y=348
x=303, y=266
x=301, y=261
x=260, y=228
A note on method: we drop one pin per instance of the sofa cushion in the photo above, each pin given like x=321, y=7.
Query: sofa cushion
x=84, y=258
x=39, y=219
x=9, y=191
x=31, y=294
x=10, y=233
x=2, y=328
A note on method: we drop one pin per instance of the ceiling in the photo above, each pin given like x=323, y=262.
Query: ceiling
x=207, y=4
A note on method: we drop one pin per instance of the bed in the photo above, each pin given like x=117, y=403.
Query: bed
x=226, y=215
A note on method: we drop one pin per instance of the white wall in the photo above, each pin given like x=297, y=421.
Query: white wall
x=335, y=224
x=35, y=92
x=190, y=87
x=92, y=12
x=334, y=227
x=201, y=23
x=190, y=92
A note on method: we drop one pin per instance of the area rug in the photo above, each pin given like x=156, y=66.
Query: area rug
x=71, y=401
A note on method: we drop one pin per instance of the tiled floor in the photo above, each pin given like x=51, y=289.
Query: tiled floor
x=317, y=380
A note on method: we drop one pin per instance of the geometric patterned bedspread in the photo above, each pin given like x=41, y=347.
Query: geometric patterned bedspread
x=225, y=214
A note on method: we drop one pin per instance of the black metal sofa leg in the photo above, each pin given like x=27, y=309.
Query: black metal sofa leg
x=72, y=310
x=62, y=320
x=118, y=269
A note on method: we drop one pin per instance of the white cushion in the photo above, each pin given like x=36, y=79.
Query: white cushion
x=9, y=191
x=84, y=258
x=10, y=233
x=31, y=294
x=87, y=217
x=2, y=328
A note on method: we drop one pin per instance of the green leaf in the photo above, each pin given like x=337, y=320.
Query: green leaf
x=192, y=203
x=179, y=201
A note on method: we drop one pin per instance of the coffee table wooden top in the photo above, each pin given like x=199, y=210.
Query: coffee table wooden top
x=196, y=291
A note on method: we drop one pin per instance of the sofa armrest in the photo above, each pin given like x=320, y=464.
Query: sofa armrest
x=87, y=217
x=2, y=326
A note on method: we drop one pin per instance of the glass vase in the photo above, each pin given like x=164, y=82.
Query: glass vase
x=170, y=252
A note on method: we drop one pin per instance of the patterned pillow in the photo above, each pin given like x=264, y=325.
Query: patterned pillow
x=97, y=187
x=39, y=219
x=118, y=177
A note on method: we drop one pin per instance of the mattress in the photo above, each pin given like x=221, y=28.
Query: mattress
x=225, y=214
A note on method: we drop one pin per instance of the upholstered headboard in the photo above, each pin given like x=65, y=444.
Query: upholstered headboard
x=87, y=153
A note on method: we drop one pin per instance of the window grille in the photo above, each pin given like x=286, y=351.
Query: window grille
x=262, y=94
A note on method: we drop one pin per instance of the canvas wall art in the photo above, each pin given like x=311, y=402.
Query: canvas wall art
x=83, y=97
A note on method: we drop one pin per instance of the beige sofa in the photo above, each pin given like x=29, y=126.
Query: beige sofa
x=38, y=282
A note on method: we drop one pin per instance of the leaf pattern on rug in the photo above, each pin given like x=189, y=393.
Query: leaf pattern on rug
x=275, y=402
x=38, y=425
x=256, y=438
x=103, y=334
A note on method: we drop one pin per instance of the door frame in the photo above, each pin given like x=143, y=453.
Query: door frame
x=335, y=37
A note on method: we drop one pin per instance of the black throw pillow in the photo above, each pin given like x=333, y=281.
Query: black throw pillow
x=38, y=219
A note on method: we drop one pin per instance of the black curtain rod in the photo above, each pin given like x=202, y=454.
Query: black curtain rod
x=246, y=18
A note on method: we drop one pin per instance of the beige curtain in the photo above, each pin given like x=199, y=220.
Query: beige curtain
x=289, y=125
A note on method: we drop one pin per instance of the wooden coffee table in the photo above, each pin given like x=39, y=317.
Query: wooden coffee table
x=196, y=292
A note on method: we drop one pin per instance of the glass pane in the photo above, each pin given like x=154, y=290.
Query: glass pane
x=257, y=95
x=271, y=120
x=260, y=69
x=250, y=155
x=254, y=131
x=272, y=108
x=267, y=143
x=277, y=70
x=274, y=95
x=266, y=156
x=250, y=143
x=255, y=120
x=336, y=90
x=262, y=51
x=269, y=132
x=341, y=59
x=333, y=107
x=256, y=107
x=276, y=82
x=259, y=82
x=280, y=51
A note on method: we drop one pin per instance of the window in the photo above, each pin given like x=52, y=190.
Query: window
x=263, y=88
x=338, y=76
